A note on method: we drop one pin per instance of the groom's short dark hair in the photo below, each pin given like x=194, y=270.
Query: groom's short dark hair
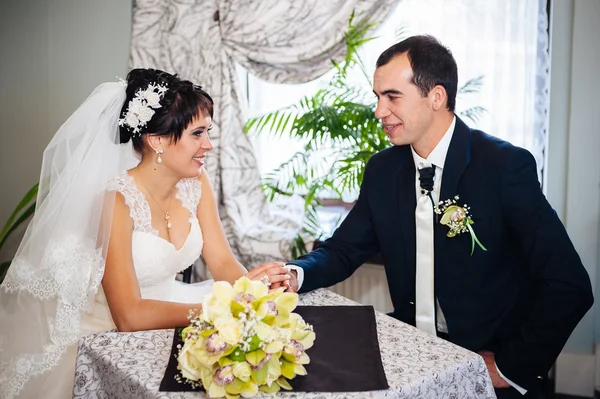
x=432, y=64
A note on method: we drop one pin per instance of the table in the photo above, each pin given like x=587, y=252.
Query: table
x=416, y=364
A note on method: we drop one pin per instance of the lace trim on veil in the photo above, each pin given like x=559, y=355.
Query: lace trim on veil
x=68, y=278
x=62, y=282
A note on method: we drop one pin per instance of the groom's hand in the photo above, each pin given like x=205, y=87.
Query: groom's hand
x=291, y=284
x=490, y=363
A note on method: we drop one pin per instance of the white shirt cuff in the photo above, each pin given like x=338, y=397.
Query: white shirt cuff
x=299, y=273
x=521, y=390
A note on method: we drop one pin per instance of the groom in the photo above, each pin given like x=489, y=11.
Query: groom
x=514, y=297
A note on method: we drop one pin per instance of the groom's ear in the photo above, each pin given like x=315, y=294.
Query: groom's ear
x=438, y=97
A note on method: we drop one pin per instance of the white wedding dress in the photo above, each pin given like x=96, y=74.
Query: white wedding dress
x=156, y=262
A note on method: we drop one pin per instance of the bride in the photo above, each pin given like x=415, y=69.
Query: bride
x=124, y=204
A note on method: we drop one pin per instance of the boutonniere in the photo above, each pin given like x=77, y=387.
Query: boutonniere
x=458, y=220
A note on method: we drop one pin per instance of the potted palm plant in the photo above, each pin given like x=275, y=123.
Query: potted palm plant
x=340, y=132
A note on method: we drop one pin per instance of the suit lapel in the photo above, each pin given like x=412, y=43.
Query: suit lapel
x=457, y=160
x=407, y=202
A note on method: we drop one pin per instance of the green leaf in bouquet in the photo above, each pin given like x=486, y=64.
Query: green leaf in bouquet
x=254, y=343
x=255, y=357
x=287, y=368
x=282, y=382
x=237, y=355
x=273, y=388
x=229, y=350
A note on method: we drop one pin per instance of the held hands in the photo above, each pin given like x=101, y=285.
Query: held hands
x=490, y=363
x=290, y=285
x=274, y=274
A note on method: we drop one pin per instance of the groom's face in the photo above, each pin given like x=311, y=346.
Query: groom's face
x=406, y=115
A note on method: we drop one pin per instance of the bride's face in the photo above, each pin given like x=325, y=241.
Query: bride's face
x=187, y=156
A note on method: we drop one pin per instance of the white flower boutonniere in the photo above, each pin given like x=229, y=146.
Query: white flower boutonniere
x=458, y=220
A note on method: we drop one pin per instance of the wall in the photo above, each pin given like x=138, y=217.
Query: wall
x=53, y=55
x=573, y=184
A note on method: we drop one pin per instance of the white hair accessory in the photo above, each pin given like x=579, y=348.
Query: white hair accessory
x=140, y=109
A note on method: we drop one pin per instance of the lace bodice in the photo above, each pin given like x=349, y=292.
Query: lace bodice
x=156, y=260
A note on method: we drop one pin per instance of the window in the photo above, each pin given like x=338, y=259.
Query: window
x=504, y=41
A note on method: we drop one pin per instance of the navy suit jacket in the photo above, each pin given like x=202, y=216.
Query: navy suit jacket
x=520, y=299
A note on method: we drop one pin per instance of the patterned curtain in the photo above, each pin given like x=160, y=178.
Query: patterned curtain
x=281, y=41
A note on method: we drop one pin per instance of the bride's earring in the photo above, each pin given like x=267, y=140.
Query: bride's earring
x=158, y=158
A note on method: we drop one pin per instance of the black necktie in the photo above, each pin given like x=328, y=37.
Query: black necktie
x=426, y=181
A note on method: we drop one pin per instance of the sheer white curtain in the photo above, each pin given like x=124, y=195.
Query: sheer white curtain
x=505, y=41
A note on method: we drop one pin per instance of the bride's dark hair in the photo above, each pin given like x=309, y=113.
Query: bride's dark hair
x=182, y=102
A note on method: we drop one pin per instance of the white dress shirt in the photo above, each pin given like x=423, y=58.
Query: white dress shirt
x=436, y=158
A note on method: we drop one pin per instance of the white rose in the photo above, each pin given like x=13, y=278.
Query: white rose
x=134, y=106
x=152, y=98
x=187, y=364
x=145, y=114
x=131, y=120
x=229, y=330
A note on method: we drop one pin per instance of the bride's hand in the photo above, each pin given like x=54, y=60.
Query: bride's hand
x=273, y=272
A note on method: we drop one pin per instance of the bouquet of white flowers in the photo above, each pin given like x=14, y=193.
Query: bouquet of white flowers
x=244, y=340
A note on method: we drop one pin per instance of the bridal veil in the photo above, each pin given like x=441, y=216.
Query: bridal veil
x=59, y=265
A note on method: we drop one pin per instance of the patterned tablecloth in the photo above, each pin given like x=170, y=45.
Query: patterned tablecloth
x=417, y=365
